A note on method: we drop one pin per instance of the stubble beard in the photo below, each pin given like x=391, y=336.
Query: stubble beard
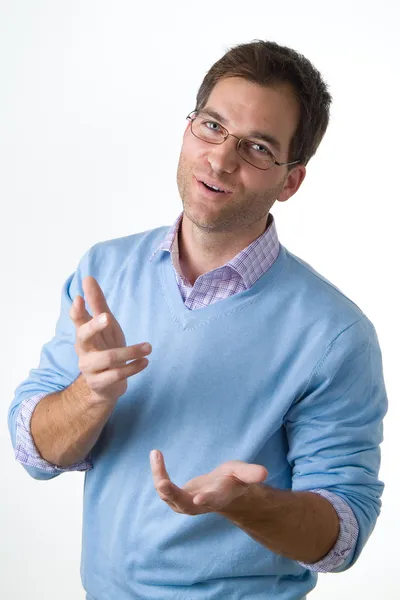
x=239, y=214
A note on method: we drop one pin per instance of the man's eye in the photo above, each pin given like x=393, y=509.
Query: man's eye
x=261, y=149
x=212, y=125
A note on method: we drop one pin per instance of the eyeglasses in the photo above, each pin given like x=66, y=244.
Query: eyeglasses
x=257, y=155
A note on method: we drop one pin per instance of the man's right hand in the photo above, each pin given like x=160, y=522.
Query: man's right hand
x=101, y=346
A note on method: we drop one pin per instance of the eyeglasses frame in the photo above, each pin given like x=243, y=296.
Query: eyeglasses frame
x=275, y=162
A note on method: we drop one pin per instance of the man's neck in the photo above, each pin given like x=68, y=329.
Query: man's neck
x=200, y=252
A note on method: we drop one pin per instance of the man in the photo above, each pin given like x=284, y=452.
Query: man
x=263, y=392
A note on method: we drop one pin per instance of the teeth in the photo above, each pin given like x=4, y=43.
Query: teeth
x=214, y=187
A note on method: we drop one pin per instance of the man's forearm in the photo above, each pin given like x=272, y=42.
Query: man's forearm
x=66, y=425
x=302, y=526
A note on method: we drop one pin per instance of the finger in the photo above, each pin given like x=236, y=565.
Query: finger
x=98, y=305
x=78, y=313
x=203, y=499
x=218, y=492
x=178, y=499
x=86, y=332
x=94, y=296
x=93, y=362
x=100, y=381
x=250, y=473
x=158, y=467
x=221, y=493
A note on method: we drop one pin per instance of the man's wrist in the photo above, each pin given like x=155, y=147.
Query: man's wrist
x=241, y=509
x=299, y=525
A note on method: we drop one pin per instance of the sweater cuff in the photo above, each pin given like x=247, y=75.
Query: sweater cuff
x=346, y=540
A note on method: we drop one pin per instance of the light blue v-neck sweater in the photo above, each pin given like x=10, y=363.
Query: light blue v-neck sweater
x=286, y=374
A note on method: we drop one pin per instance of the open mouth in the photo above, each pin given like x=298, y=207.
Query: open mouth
x=213, y=188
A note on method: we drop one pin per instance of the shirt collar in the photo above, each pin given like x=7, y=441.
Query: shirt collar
x=262, y=251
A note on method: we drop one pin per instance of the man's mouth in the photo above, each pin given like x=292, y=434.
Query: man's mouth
x=213, y=188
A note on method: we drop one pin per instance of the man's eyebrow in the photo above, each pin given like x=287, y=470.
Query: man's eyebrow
x=260, y=135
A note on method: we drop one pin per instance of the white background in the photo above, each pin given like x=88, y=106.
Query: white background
x=93, y=100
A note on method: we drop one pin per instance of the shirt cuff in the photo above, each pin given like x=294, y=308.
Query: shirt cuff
x=346, y=540
x=25, y=450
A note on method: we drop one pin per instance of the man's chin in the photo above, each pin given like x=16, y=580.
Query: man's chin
x=204, y=219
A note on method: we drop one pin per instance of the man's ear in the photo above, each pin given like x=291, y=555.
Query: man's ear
x=294, y=179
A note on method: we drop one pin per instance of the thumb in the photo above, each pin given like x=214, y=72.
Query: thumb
x=249, y=473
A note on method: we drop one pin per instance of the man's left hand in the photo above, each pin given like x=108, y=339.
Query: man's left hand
x=207, y=493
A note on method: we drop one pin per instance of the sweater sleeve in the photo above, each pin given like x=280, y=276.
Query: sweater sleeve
x=335, y=428
x=57, y=369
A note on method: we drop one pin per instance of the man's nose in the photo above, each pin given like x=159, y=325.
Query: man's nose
x=224, y=157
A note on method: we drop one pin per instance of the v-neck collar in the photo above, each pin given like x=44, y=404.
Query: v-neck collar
x=189, y=319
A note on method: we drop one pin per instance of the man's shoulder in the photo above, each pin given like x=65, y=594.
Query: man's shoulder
x=136, y=246
x=107, y=257
x=149, y=238
x=319, y=292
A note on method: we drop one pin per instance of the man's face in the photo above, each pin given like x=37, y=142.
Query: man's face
x=245, y=108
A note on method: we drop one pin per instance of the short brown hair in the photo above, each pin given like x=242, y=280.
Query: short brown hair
x=268, y=63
